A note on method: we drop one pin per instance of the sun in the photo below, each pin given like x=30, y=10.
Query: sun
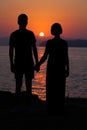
x=41, y=34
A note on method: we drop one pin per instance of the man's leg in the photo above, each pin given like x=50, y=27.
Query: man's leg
x=18, y=77
x=28, y=82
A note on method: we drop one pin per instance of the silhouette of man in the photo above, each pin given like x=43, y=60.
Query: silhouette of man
x=57, y=69
x=22, y=47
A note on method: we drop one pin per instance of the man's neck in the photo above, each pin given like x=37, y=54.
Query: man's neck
x=22, y=28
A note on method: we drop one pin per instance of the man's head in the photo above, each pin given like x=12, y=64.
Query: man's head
x=22, y=20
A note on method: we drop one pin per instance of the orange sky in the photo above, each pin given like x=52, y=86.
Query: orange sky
x=72, y=14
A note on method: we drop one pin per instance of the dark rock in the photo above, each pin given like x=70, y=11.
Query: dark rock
x=21, y=114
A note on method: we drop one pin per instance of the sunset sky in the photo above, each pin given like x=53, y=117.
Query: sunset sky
x=71, y=14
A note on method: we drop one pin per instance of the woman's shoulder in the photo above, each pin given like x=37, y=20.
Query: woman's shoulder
x=57, y=40
x=64, y=41
x=49, y=40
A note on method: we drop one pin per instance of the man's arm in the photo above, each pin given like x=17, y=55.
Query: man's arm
x=11, y=54
x=35, y=53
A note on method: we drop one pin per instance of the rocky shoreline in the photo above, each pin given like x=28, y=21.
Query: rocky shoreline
x=21, y=114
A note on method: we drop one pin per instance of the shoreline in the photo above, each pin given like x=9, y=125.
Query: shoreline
x=74, y=116
x=8, y=99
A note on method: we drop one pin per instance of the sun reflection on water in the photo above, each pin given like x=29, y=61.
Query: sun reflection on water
x=39, y=85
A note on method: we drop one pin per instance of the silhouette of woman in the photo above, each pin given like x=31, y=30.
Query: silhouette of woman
x=56, y=52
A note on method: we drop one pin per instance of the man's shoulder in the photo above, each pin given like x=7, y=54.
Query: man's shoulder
x=30, y=35
x=29, y=31
x=14, y=32
x=18, y=31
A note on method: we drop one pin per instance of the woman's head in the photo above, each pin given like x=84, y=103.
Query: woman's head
x=56, y=29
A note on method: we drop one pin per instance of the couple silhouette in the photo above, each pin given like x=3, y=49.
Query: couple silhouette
x=23, y=57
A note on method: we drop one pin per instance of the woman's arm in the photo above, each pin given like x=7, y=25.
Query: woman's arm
x=42, y=60
x=67, y=63
x=44, y=57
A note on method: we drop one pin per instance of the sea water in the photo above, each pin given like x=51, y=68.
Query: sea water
x=76, y=83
